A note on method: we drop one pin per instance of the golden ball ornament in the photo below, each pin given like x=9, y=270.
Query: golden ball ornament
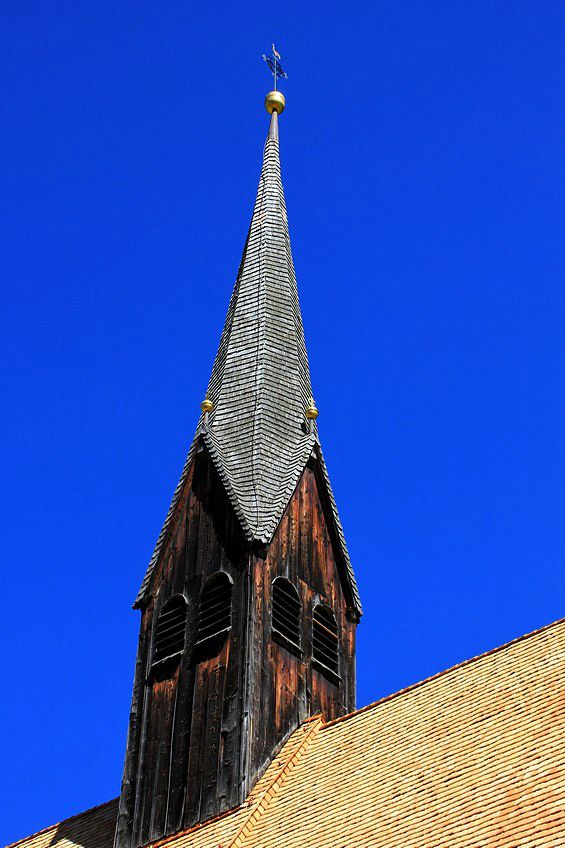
x=275, y=102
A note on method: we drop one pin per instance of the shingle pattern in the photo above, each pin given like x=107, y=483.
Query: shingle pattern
x=93, y=828
x=471, y=758
x=257, y=433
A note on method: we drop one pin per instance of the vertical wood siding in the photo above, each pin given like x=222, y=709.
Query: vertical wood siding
x=200, y=735
x=284, y=689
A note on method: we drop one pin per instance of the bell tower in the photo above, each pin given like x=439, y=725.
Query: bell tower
x=249, y=605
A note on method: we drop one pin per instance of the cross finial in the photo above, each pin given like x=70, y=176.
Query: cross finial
x=274, y=65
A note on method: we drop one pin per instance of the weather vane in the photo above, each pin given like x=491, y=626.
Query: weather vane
x=274, y=65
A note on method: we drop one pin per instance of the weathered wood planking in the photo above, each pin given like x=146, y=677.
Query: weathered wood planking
x=201, y=734
x=285, y=689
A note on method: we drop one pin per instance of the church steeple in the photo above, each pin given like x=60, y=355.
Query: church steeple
x=257, y=432
x=249, y=603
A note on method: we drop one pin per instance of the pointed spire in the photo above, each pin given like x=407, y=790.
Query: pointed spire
x=258, y=418
x=260, y=384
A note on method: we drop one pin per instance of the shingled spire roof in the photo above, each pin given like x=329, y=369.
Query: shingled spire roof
x=257, y=433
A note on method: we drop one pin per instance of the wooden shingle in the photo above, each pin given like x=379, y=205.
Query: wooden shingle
x=470, y=758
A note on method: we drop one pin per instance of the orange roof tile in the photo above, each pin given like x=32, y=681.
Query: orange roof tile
x=92, y=829
x=471, y=758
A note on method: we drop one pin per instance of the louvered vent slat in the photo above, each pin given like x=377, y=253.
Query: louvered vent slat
x=168, y=613
x=170, y=630
x=170, y=626
x=213, y=609
x=286, y=611
x=214, y=615
x=290, y=605
x=325, y=646
x=213, y=629
x=174, y=633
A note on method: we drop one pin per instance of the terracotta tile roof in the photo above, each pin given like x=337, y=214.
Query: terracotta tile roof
x=92, y=829
x=471, y=758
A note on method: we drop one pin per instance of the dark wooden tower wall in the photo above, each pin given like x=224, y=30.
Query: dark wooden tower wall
x=285, y=689
x=182, y=757
x=203, y=732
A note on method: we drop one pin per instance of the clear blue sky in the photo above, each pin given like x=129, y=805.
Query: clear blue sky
x=420, y=151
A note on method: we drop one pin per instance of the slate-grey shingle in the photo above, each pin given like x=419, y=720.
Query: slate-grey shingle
x=257, y=434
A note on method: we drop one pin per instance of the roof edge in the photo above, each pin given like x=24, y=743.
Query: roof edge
x=324, y=726
x=161, y=538
x=62, y=821
x=203, y=437
x=442, y=673
x=339, y=533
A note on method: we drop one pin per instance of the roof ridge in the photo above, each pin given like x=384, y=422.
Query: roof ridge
x=62, y=821
x=260, y=212
x=316, y=723
x=172, y=837
x=442, y=673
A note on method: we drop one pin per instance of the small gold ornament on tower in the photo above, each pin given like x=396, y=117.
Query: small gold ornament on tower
x=311, y=412
x=206, y=406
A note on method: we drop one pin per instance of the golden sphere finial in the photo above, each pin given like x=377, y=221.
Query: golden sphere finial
x=275, y=102
x=206, y=405
x=311, y=411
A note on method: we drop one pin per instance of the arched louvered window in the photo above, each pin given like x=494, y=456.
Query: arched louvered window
x=214, y=611
x=285, y=615
x=325, y=647
x=168, y=641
